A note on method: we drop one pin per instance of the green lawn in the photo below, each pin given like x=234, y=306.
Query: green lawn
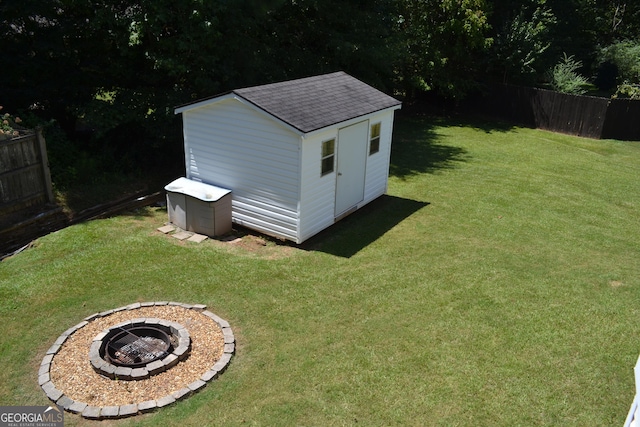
x=498, y=284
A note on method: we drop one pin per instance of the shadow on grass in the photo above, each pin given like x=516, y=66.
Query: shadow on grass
x=355, y=232
x=416, y=148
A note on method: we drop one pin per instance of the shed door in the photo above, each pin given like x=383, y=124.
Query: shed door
x=352, y=160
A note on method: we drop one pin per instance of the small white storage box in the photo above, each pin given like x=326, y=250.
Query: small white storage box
x=199, y=207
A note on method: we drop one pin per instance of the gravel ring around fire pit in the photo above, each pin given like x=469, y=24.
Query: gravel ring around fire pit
x=67, y=376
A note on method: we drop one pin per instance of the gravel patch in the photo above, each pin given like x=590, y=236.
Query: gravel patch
x=72, y=377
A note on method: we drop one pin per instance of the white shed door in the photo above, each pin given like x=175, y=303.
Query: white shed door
x=352, y=160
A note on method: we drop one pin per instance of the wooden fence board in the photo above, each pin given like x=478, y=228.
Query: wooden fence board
x=24, y=173
x=585, y=116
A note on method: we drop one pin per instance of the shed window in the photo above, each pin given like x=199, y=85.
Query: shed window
x=374, y=139
x=328, y=156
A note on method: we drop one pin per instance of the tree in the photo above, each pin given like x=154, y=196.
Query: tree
x=521, y=32
x=439, y=43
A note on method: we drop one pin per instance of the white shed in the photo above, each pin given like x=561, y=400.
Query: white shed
x=297, y=155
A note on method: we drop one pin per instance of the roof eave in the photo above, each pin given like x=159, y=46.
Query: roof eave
x=350, y=121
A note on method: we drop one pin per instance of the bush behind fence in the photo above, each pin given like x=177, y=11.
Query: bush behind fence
x=587, y=116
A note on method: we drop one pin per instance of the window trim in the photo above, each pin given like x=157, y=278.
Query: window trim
x=331, y=155
x=373, y=138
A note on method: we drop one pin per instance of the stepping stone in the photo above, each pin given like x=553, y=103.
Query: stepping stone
x=166, y=229
x=197, y=238
x=181, y=235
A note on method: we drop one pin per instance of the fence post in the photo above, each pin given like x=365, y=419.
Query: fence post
x=44, y=160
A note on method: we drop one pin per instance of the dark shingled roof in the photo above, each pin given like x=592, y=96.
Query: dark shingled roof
x=316, y=102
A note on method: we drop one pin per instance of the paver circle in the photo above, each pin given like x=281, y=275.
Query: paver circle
x=75, y=375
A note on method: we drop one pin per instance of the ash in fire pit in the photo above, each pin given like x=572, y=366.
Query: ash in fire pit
x=139, y=349
x=138, y=346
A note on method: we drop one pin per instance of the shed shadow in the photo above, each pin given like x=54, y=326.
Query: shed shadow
x=352, y=234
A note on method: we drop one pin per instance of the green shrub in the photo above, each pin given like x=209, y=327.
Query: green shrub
x=625, y=56
x=564, y=76
x=628, y=90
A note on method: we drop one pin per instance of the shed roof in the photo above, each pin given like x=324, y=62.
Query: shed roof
x=316, y=102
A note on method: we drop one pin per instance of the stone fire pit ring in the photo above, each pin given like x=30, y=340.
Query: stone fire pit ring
x=98, y=366
x=101, y=362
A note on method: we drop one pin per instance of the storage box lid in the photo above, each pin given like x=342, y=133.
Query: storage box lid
x=199, y=190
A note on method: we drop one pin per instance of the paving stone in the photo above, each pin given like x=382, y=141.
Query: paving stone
x=139, y=373
x=47, y=359
x=199, y=307
x=166, y=229
x=223, y=323
x=196, y=385
x=182, y=235
x=91, y=317
x=44, y=369
x=125, y=324
x=109, y=411
x=134, y=306
x=80, y=325
x=230, y=348
x=77, y=407
x=91, y=412
x=222, y=363
x=228, y=336
x=100, y=336
x=128, y=410
x=51, y=391
x=170, y=361
x=165, y=401
x=209, y=375
x=53, y=349
x=61, y=339
x=147, y=304
x=109, y=370
x=197, y=238
x=161, y=303
x=98, y=363
x=65, y=402
x=43, y=379
x=147, y=406
x=181, y=393
x=155, y=367
x=123, y=373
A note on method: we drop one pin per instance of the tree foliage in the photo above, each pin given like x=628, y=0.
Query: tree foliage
x=521, y=32
x=439, y=43
x=119, y=67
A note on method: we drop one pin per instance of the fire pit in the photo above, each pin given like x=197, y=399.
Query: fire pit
x=137, y=346
x=139, y=349
x=95, y=390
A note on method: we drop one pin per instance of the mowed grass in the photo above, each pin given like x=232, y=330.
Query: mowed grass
x=497, y=284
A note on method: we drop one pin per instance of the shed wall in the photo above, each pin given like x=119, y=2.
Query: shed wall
x=233, y=146
x=377, y=172
x=318, y=193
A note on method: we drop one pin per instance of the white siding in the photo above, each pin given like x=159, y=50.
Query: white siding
x=377, y=173
x=318, y=193
x=231, y=145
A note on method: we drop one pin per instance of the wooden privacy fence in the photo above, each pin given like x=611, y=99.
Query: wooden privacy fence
x=25, y=180
x=586, y=116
